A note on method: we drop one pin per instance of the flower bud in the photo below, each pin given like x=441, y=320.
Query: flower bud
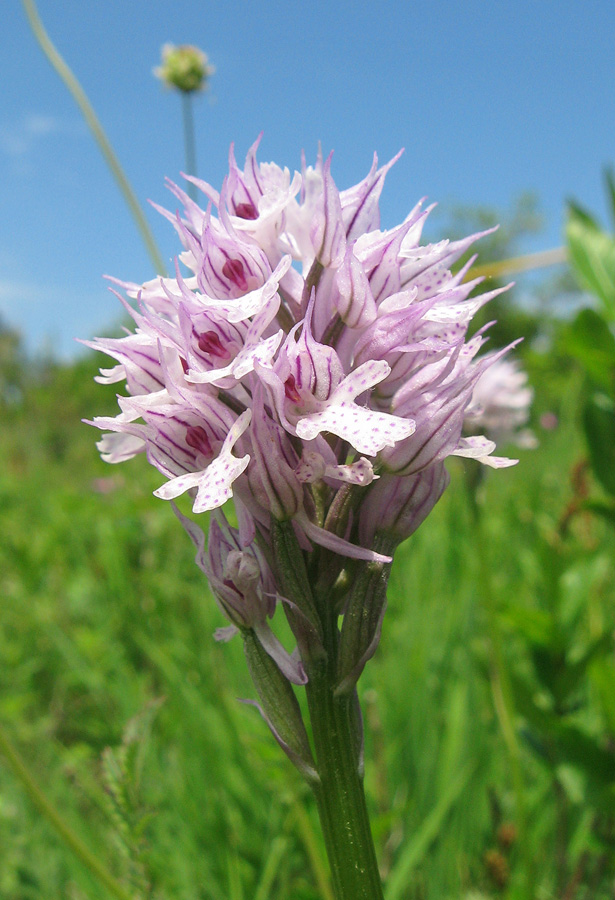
x=186, y=68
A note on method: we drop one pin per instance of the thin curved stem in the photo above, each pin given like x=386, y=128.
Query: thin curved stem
x=518, y=264
x=45, y=807
x=96, y=128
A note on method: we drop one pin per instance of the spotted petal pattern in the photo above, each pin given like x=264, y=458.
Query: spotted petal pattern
x=307, y=364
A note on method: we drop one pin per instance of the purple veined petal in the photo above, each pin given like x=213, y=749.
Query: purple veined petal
x=274, y=482
x=378, y=252
x=251, y=169
x=315, y=367
x=290, y=667
x=194, y=215
x=497, y=462
x=211, y=193
x=228, y=267
x=255, y=348
x=243, y=192
x=275, y=387
x=263, y=214
x=112, y=375
x=474, y=447
x=360, y=203
x=329, y=235
x=395, y=329
x=197, y=536
x=245, y=522
x=225, y=634
x=117, y=448
x=250, y=304
x=137, y=354
x=399, y=505
x=311, y=467
x=360, y=472
x=337, y=544
x=439, y=412
x=123, y=423
x=433, y=260
x=261, y=352
x=355, y=303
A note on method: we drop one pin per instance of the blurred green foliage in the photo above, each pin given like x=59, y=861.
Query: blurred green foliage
x=490, y=711
x=591, y=339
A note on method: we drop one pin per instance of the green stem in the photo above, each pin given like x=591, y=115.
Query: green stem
x=189, y=142
x=96, y=128
x=339, y=794
x=69, y=837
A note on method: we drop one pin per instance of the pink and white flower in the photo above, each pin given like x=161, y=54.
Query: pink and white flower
x=307, y=364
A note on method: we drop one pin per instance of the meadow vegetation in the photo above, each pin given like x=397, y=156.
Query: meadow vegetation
x=489, y=706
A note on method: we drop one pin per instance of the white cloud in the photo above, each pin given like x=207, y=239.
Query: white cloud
x=36, y=124
x=17, y=139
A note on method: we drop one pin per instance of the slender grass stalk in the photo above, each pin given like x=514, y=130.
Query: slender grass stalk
x=46, y=808
x=96, y=128
x=501, y=688
x=517, y=264
x=189, y=141
x=310, y=843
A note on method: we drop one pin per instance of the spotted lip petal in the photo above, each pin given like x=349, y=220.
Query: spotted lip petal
x=214, y=484
x=367, y=431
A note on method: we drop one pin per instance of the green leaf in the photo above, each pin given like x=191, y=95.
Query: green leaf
x=609, y=177
x=420, y=842
x=604, y=510
x=536, y=625
x=587, y=753
x=599, y=424
x=279, y=706
x=574, y=674
x=592, y=255
x=589, y=339
x=602, y=676
x=582, y=215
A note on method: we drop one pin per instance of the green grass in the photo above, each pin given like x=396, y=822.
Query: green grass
x=104, y=617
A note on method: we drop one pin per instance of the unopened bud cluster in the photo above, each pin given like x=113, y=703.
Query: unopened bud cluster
x=185, y=68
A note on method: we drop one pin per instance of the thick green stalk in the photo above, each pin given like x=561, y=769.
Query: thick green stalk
x=96, y=128
x=339, y=794
x=189, y=142
x=89, y=859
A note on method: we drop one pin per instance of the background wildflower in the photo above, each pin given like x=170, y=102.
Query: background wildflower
x=184, y=67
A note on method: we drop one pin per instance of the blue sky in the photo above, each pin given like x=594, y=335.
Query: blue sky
x=488, y=99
